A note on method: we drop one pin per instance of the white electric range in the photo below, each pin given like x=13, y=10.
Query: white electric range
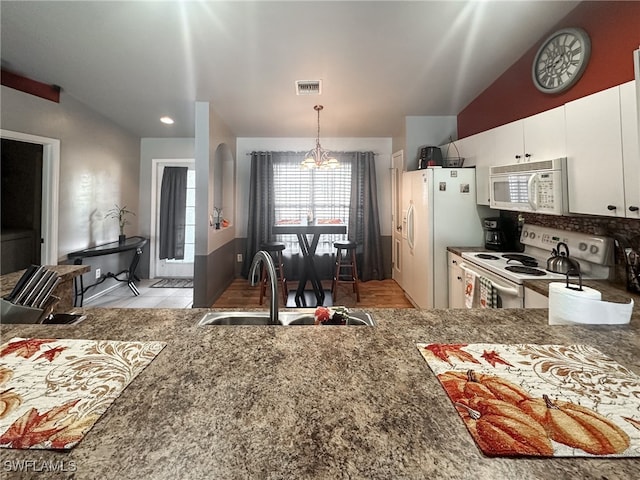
x=508, y=270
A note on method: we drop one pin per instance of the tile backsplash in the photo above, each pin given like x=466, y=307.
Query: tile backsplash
x=606, y=226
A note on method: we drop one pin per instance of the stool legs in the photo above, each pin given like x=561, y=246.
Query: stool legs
x=346, y=272
x=279, y=264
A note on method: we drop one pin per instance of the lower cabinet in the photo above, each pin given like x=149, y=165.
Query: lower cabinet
x=456, y=281
x=533, y=299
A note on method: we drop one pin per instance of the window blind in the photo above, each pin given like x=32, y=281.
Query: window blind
x=325, y=193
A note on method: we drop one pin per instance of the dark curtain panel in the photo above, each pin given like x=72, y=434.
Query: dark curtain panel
x=364, y=221
x=173, y=204
x=261, y=208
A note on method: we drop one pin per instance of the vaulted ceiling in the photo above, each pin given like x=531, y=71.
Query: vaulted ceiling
x=134, y=61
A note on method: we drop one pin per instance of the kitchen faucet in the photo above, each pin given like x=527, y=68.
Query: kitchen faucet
x=265, y=258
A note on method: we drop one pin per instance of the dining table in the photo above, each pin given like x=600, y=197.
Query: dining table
x=304, y=228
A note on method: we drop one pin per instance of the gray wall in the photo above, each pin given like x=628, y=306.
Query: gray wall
x=99, y=167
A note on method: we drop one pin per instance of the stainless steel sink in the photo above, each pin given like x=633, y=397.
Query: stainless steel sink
x=285, y=318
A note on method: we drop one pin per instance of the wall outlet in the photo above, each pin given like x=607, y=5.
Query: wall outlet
x=239, y=257
x=98, y=273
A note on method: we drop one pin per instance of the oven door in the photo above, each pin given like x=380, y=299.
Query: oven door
x=510, y=295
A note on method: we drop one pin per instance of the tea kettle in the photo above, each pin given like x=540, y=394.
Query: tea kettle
x=560, y=262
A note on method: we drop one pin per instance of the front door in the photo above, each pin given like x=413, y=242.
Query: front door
x=397, y=166
x=171, y=268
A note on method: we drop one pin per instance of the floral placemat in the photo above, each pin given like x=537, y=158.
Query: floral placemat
x=329, y=221
x=288, y=221
x=540, y=400
x=52, y=391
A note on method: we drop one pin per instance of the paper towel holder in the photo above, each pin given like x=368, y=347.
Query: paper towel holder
x=575, y=268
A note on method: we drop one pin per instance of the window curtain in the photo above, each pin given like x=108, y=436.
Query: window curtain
x=261, y=206
x=364, y=220
x=173, y=204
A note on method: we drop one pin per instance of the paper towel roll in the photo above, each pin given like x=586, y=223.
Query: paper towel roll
x=568, y=306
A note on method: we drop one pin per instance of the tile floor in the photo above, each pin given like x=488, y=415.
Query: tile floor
x=122, y=297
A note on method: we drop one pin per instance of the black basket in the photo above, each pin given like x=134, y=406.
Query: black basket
x=452, y=162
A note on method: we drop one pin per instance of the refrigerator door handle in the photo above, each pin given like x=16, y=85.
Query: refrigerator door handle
x=410, y=227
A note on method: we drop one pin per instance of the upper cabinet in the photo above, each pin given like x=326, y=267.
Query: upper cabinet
x=630, y=149
x=539, y=137
x=595, y=160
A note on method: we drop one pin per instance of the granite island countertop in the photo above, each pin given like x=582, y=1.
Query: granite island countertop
x=306, y=402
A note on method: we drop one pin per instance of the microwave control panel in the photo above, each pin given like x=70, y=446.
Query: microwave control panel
x=545, y=190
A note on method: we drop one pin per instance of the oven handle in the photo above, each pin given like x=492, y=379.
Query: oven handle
x=504, y=290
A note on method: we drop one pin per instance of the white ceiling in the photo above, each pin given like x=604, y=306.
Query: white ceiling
x=379, y=61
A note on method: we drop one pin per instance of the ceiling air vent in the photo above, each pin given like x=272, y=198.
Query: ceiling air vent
x=308, y=87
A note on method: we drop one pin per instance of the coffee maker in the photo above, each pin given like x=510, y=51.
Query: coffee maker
x=496, y=234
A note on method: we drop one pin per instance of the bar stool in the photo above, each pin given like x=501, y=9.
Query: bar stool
x=275, y=250
x=346, y=268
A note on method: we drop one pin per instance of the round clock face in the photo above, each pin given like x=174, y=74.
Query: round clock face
x=560, y=60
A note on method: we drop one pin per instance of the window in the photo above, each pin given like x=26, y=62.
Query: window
x=326, y=193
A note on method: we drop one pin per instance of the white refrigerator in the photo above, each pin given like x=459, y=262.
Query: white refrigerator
x=439, y=210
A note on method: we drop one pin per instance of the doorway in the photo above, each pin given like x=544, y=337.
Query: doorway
x=172, y=268
x=21, y=204
x=46, y=240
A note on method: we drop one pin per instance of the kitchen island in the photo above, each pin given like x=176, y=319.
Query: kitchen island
x=306, y=402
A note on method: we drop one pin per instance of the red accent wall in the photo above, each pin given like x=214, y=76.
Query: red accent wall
x=614, y=29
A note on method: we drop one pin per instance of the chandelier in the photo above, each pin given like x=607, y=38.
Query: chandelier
x=319, y=157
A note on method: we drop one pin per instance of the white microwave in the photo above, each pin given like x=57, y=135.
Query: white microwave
x=537, y=187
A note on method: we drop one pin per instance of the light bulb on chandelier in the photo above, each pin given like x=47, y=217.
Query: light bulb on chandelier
x=318, y=157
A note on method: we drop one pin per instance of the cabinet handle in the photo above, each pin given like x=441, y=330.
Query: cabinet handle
x=518, y=157
x=527, y=155
x=633, y=208
x=611, y=207
x=455, y=262
x=459, y=278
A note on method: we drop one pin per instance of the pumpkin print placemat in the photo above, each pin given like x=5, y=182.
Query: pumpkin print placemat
x=540, y=400
x=52, y=391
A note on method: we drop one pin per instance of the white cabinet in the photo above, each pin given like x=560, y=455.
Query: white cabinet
x=533, y=299
x=630, y=149
x=538, y=137
x=544, y=135
x=594, y=154
x=478, y=150
x=456, y=281
x=509, y=143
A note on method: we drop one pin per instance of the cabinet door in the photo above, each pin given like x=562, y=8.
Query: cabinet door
x=509, y=143
x=594, y=154
x=456, y=281
x=533, y=299
x=630, y=149
x=544, y=135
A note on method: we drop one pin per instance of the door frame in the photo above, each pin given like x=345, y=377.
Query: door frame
x=50, y=191
x=155, y=205
x=397, y=167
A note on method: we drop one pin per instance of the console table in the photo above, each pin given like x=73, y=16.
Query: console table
x=131, y=243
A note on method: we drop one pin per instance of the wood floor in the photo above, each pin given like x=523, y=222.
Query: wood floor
x=374, y=293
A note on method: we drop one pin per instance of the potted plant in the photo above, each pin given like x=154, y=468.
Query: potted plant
x=218, y=215
x=121, y=214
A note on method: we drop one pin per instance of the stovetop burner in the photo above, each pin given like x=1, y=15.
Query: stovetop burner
x=527, y=270
x=487, y=256
x=524, y=259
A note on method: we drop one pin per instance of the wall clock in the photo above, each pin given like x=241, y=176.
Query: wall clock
x=561, y=60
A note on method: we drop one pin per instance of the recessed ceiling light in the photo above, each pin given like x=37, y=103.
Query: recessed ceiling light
x=167, y=120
